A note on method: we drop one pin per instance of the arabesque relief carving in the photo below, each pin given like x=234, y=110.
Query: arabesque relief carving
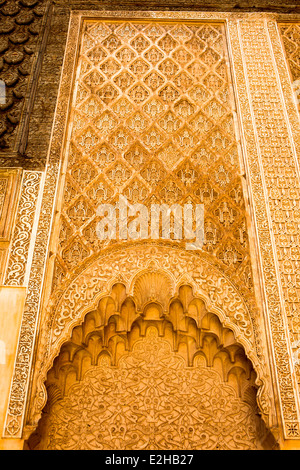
x=18, y=259
x=153, y=119
x=274, y=178
x=117, y=384
x=21, y=375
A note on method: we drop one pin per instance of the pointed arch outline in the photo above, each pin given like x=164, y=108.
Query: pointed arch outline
x=95, y=282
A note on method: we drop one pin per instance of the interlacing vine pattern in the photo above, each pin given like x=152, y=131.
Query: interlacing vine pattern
x=146, y=403
x=118, y=384
x=153, y=119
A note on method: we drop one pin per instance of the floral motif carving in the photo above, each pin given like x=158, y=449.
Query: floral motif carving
x=276, y=158
x=151, y=400
x=22, y=369
x=206, y=152
x=18, y=257
x=208, y=282
x=116, y=150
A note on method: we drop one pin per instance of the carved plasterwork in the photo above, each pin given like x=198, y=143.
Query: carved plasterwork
x=27, y=208
x=200, y=397
x=279, y=335
x=293, y=306
x=273, y=176
x=290, y=33
x=22, y=369
x=125, y=264
x=153, y=120
x=158, y=266
x=21, y=24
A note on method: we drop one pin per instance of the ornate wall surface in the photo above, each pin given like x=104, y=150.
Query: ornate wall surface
x=161, y=107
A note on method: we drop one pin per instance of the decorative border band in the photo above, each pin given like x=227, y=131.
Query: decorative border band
x=27, y=209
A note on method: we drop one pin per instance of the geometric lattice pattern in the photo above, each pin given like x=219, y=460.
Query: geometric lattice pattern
x=152, y=120
x=290, y=33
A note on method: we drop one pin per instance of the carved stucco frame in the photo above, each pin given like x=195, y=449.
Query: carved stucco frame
x=95, y=281
x=35, y=323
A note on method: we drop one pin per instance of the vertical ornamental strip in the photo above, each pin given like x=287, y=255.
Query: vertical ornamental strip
x=274, y=182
